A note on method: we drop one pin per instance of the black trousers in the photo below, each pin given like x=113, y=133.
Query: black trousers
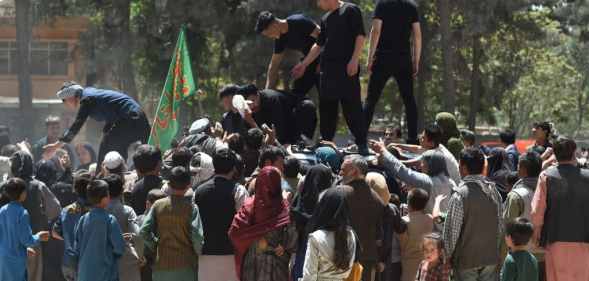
x=121, y=134
x=294, y=122
x=310, y=79
x=401, y=69
x=305, y=118
x=339, y=88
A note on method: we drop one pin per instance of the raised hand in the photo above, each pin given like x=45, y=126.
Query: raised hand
x=43, y=235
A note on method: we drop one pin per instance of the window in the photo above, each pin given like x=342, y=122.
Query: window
x=46, y=58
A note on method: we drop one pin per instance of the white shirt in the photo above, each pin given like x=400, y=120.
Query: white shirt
x=320, y=255
x=451, y=164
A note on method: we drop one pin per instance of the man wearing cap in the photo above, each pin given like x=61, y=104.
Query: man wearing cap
x=113, y=164
x=125, y=121
x=200, y=134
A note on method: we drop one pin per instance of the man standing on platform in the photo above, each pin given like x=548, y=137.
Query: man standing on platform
x=391, y=54
x=340, y=45
x=296, y=32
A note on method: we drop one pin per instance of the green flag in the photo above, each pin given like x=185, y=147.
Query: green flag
x=179, y=85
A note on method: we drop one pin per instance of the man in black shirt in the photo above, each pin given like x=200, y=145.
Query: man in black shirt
x=340, y=44
x=296, y=32
x=231, y=120
x=283, y=110
x=391, y=55
x=148, y=163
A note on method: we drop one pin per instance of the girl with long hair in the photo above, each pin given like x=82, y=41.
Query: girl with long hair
x=331, y=249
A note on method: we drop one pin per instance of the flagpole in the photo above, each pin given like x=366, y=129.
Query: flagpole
x=172, y=61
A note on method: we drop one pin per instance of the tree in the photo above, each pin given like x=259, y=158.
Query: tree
x=445, y=12
x=23, y=42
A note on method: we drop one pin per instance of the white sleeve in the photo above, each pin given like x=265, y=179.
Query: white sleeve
x=311, y=266
x=240, y=196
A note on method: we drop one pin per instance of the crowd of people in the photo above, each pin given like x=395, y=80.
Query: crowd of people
x=220, y=206
x=253, y=197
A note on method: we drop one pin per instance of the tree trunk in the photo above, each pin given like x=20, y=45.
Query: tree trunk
x=475, y=82
x=449, y=100
x=23, y=43
x=119, y=40
x=582, y=101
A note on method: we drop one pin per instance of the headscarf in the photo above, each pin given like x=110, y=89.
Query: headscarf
x=498, y=168
x=447, y=122
x=21, y=165
x=378, y=183
x=436, y=163
x=262, y=213
x=451, y=137
x=47, y=172
x=201, y=167
x=88, y=147
x=328, y=156
x=317, y=179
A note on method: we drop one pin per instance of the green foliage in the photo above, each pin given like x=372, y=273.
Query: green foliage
x=533, y=65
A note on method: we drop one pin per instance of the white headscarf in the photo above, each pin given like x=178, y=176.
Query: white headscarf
x=201, y=171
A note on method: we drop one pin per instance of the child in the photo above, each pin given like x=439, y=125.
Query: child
x=129, y=263
x=152, y=196
x=419, y=224
x=15, y=232
x=173, y=230
x=148, y=256
x=435, y=266
x=98, y=238
x=520, y=264
x=64, y=227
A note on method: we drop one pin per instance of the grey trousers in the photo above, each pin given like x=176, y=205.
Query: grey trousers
x=483, y=273
x=35, y=266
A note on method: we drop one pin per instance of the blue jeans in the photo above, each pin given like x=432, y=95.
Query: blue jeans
x=483, y=273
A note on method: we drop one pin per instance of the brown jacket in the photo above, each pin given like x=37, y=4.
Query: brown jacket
x=366, y=210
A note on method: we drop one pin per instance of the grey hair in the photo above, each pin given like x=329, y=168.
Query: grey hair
x=359, y=162
x=436, y=163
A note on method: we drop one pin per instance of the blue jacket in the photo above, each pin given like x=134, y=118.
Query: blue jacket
x=103, y=106
x=15, y=237
x=98, y=245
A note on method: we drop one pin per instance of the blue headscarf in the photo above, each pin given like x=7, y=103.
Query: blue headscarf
x=328, y=156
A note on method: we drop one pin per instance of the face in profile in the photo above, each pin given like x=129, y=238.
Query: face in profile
x=226, y=103
x=273, y=31
x=255, y=102
x=348, y=172
x=71, y=103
